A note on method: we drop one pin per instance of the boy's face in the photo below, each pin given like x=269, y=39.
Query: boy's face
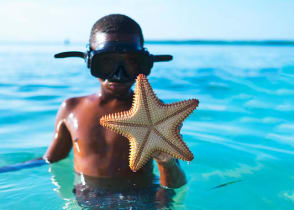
x=113, y=86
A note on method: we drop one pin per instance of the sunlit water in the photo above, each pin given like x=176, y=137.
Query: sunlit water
x=242, y=132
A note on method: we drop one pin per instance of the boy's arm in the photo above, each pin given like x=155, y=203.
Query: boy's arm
x=27, y=164
x=58, y=150
x=62, y=142
x=171, y=174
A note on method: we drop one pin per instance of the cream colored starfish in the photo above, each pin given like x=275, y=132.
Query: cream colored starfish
x=151, y=126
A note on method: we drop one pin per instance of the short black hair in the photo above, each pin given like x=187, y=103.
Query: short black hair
x=116, y=23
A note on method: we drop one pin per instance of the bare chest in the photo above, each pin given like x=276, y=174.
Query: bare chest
x=89, y=137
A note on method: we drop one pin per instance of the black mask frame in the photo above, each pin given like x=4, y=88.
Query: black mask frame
x=114, y=47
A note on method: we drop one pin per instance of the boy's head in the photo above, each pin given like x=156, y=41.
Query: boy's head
x=116, y=51
x=109, y=36
x=115, y=24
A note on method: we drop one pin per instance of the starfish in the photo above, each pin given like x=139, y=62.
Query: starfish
x=151, y=125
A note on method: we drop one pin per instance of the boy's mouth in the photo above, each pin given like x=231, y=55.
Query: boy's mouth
x=119, y=85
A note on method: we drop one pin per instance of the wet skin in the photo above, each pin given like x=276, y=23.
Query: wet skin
x=98, y=151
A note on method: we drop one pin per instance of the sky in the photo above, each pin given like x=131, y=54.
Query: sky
x=57, y=20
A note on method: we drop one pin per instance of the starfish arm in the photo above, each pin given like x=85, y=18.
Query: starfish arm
x=134, y=116
x=179, y=111
x=154, y=141
x=151, y=102
x=174, y=146
x=126, y=129
x=168, y=128
x=139, y=154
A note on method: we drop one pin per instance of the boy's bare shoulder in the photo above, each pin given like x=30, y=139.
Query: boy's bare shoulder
x=72, y=103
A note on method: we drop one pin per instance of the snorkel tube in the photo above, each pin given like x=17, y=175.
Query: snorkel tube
x=161, y=58
x=85, y=55
x=78, y=54
x=71, y=54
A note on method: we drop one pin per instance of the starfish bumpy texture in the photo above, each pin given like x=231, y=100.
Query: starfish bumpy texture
x=151, y=125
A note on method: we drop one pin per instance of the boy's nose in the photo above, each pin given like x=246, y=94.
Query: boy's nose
x=120, y=75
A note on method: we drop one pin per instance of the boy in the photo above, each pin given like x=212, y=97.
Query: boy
x=100, y=155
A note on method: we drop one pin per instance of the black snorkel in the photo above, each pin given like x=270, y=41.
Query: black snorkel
x=69, y=54
x=84, y=55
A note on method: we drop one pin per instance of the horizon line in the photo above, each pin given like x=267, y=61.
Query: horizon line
x=224, y=42
x=266, y=42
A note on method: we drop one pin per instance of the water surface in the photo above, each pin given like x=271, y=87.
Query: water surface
x=242, y=131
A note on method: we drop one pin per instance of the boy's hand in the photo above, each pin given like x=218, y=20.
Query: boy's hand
x=164, y=159
x=171, y=174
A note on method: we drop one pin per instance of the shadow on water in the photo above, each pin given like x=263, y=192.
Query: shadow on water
x=77, y=193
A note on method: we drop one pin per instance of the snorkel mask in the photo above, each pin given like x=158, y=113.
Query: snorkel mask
x=117, y=61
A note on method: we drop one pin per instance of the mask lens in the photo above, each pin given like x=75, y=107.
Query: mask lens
x=104, y=65
x=136, y=64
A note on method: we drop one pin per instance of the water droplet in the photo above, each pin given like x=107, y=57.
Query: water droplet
x=188, y=162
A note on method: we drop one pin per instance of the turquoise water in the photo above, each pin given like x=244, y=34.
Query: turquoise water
x=242, y=131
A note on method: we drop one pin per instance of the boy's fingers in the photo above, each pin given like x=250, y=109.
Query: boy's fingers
x=161, y=156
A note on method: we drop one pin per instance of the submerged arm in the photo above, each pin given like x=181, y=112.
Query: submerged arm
x=58, y=150
x=27, y=164
x=62, y=142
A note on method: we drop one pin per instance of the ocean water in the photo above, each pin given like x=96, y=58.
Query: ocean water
x=242, y=134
